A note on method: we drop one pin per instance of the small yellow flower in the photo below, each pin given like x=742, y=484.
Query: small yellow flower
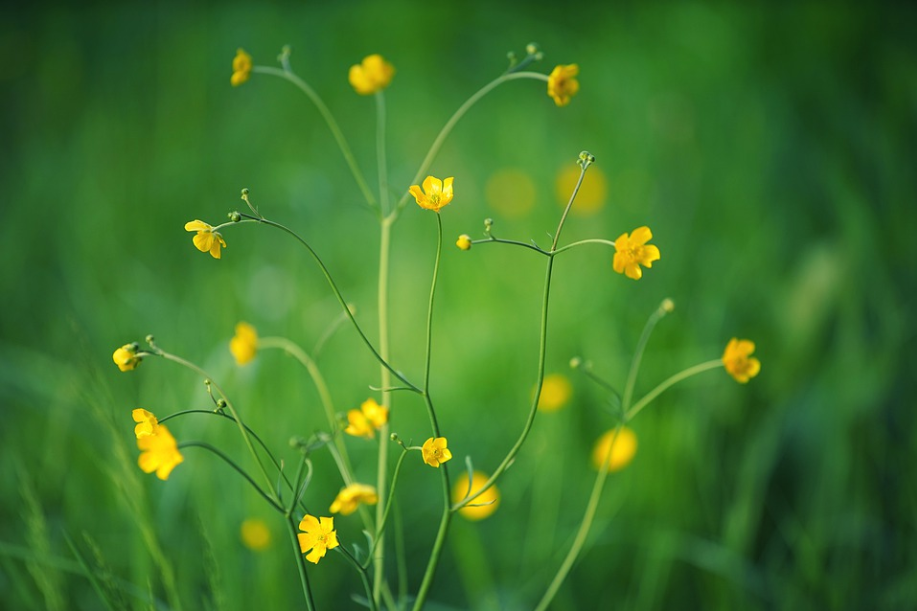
x=159, y=452
x=436, y=193
x=435, y=451
x=625, y=447
x=241, y=68
x=206, y=239
x=126, y=357
x=633, y=251
x=372, y=75
x=555, y=393
x=363, y=422
x=562, y=84
x=464, y=242
x=738, y=361
x=350, y=497
x=374, y=412
x=481, y=507
x=255, y=534
x=244, y=344
x=318, y=535
x=147, y=423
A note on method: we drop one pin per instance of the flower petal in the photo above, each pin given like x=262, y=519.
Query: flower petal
x=203, y=241
x=641, y=235
x=197, y=225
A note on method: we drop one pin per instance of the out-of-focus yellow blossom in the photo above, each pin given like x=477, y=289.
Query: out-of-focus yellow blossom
x=435, y=451
x=633, y=251
x=555, y=392
x=241, y=68
x=350, y=497
x=363, y=422
x=371, y=75
x=464, y=242
x=159, y=452
x=738, y=361
x=592, y=193
x=126, y=357
x=436, y=193
x=244, y=344
x=147, y=423
x=625, y=447
x=562, y=84
x=255, y=534
x=374, y=412
x=206, y=239
x=481, y=507
x=318, y=535
x=511, y=192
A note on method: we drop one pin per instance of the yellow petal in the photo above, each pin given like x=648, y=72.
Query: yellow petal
x=432, y=185
x=317, y=553
x=650, y=254
x=197, y=225
x=203, y=240
x=641, y=235
x=447, y=189
x=632, y=270
x=309, y=523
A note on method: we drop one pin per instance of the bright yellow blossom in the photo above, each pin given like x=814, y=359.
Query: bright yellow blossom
x=464, y=242
x=374, y=412
x=206, y=239
x=318, y=535
x=147, y=423
x=350, y=497
x=625, y=447
x=562, y=84
x=435, y=451
x=738, y=361
x=159, y=452
x=244, y=344
x=436, y=193
x=241, y=68
x=372, y=75
x=481, y=507
x=363, y=422
x=633, y=251
x=126, y=357
x=255, y=534
x=555, y=392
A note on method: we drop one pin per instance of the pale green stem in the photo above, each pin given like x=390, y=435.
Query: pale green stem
x=581, y=242
x=638, y=357
x=380, y=524
x=300, y=563
x=678, y=377
x=381, y=157
x=232, y=463
x=363, y=575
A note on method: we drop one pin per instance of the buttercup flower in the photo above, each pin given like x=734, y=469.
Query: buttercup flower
x=562, y=84
x=436, y=193
x=126, y=357
x=350, y=497
x=481, y=507
x=363, y=422
x=372, y=75
x=241, y=68
x=625, y=447
x=318, y=535
x=464, y=242
x=555, y=392
x=147, y=423
x=159, y=453
x=435, y=451
x=206, y=239
x=374, y=412
x=738, y=361
x=633, y=251
x=244, y=344
x=255, y=534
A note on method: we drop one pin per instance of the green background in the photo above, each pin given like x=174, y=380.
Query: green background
x=771, y=151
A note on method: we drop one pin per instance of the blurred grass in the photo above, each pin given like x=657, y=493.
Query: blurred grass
x=770, y=150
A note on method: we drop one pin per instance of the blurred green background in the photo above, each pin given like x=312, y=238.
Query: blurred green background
x=771, y=151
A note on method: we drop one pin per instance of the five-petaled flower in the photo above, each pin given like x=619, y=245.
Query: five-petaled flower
x=126, y=357
x=159, y=452
x=483, y=505
x=206, y=239
x=562, y=84
x=147, y=423
x=738, y=361
x=318, y=535
x=435, y=451
x=244, y=344
x=372, y=75
x=350, y=497
x=241, y=68
x=436, y=193
x=617, y=446
x=363, y=422
x=633, y=251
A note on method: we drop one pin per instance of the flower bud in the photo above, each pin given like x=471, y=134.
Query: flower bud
x=575, y=362
x=234, y=216
x=464, y=242
x=221, y=403
x=667, y=305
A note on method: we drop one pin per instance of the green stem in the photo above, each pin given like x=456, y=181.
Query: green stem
x=534, y=247
x=638, y=357
x=300, y=563
x=381, y=157
x=231, y=463
x=581, y=242
x=381, y=522
x=363, y=576
x=678, y=377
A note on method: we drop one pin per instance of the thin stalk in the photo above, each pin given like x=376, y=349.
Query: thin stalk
x=301, y=564
x=581, y=242
x=231, y=463
x=363, y=576
x=381, y=523
x=678, y=377
x=638, y=357
x=381, y=157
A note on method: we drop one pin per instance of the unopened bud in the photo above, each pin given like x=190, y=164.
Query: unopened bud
x=667, y=305
x=575, y=362
x=221, y=403
x=244, y=193
x=531, y=48
x=464, y=242
x=234, y=216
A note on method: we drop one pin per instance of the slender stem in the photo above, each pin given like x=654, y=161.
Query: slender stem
x=429, y=349
x=638, y=357
x=231, y=463
x=534, y=247
x=363, y=576
x=300, y=563
x=381, y=157
x=381, y=523
x=678, y=377
x=581, y=242
x=563, y=217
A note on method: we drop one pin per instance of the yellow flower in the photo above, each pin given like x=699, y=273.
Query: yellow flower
x=435, y=452
x=562, y=84
x=436, y=193
x=126, y=357
x=318, y=535
x=555, y=392
x=159, y=452
x=374, y=412
x=464, y=242
x=738, y=361
x=350, y=497
x=244, y=345
x=363, y=422
x=633, y=251
x=625, y=446
x=241, y=68
x=255, y=534
x=147, y=423
x=372, y=75
x=206, y=239
x=481, y=507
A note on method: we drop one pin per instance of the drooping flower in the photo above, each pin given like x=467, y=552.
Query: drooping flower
x=350, y=497
x=372, y=75
x=623, y=451
x=147, y=423
x=255, y=534
x=206, y=239
x=555, y=392
x=241, y=68
x=633, y=251
x=562, y=83
x=738, y=361
x=363, y=422
x=318, y=535
x=435, y=451
x=159, y=453
x=244, y=344
x=126, y=357
x=481, y=507
x=436, y=193
x=464, y=242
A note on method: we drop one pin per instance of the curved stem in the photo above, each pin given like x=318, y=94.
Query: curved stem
x=638, y=357
x=678, y=377
x=534, y=247
x=429, y=348
x=381, y=523
x=300, y=563
x=231, y=463
x=581, y=242
x=363, y=576
x=563, y=217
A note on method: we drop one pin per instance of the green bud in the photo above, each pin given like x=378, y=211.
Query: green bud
x=221, y=403
x=235, y=217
